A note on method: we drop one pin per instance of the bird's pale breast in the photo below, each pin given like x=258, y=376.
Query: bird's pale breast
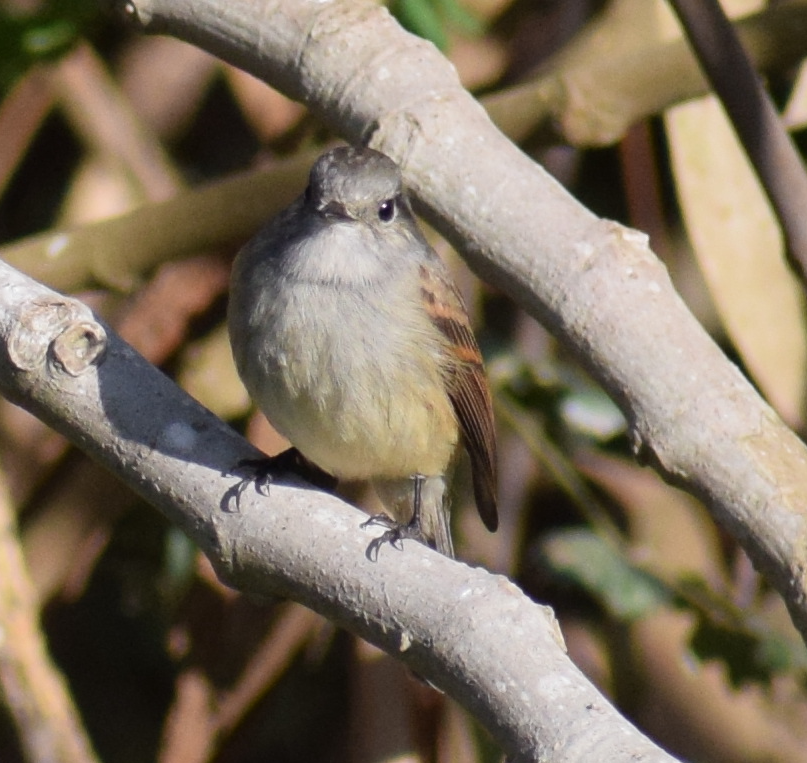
x=359, y=402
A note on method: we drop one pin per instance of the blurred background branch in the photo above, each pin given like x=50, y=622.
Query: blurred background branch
x=32, y=687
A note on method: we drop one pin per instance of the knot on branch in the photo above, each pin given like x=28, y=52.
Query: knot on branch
x=79, y=346
x=136, y=13
x=56, y=331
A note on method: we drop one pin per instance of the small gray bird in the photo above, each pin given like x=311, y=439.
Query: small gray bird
x=351, y=337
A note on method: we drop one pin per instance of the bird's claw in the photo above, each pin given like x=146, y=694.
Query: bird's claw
x=395, y=535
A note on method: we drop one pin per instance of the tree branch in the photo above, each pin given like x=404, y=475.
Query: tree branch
x=471, y=633
x=594, y=284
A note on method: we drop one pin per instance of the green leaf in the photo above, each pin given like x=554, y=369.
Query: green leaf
x=626, y=591
x=751, y=650
x=459, y=17
x=45, y=34
x=48, y=39
x=421, y=18
x=591, y=412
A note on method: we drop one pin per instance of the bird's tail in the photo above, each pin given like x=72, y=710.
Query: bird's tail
x=436, y=519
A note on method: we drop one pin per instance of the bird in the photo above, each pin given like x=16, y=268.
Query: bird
x=351, y=337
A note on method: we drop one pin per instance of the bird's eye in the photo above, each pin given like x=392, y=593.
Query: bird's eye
x=386, y=211
x=309, y=194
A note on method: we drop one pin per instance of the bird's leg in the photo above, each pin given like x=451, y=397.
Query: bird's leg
x=261, y=472
x=414, y=523
x=398, y=531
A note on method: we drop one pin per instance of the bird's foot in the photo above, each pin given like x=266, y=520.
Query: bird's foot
x=261, y=472
x=395, y=534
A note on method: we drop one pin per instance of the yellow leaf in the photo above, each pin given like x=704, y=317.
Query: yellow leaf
x=739, y=248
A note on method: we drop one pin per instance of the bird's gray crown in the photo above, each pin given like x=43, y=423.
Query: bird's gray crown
x=353, y=177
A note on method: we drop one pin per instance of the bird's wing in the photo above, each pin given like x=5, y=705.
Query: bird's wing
x=467, y=387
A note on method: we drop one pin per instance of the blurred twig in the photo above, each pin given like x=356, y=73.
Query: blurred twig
x=118, y=253
x=211, y=717
x=770, y=149
x=641, y=175
x=91, y=99
x=562, y=471
x=600, y=84
x=21, y=114
x=34, y=691
x=382, y=731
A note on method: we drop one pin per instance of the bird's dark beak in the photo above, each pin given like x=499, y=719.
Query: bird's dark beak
x=336, y=210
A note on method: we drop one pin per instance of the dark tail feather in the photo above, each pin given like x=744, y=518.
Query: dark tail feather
x=484, y=480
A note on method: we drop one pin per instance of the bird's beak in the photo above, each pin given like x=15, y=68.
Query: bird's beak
x=335, y=210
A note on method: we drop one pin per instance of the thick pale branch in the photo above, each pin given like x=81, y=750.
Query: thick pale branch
x=471, y=633
x=596, y=285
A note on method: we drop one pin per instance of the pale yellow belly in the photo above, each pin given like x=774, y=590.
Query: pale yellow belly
x=359, y=434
